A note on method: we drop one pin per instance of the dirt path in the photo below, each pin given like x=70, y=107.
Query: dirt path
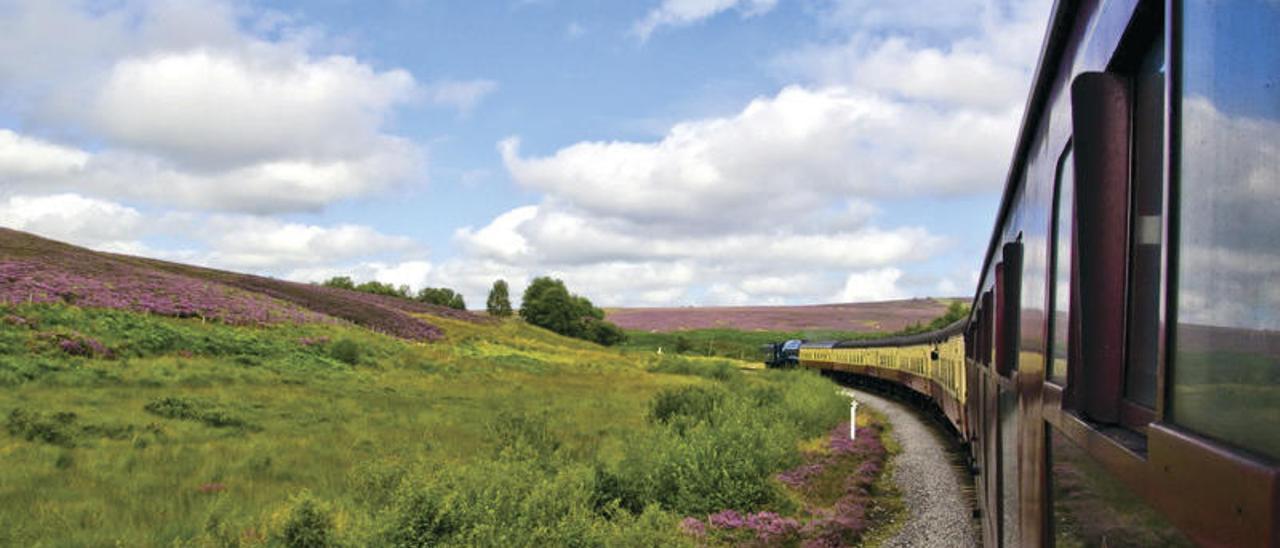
x=932, y=487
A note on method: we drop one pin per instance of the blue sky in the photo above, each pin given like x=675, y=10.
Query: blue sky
x=658, y=152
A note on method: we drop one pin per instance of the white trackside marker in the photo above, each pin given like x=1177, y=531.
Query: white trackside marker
x=853, y=418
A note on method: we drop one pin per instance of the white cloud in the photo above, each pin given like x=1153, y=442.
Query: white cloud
x=263, y=244
x=202, y=104
x=215, y=109
x=687, y=12
x=462, y=95
x=76, y=219
x=22, y=156
x=815, y=143
x=899, y=68
x=872, y=285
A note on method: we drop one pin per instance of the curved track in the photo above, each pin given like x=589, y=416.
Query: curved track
x=933, y=488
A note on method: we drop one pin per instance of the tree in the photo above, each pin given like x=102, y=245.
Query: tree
x=499, y=303
x=547, y=303
x=442, y=296
x=379, y=288
x=340, y=282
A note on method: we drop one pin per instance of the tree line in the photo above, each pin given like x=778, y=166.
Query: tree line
x=546, y=303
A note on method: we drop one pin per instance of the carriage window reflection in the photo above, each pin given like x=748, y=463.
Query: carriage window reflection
x=1226, y=366
x=1091, y=508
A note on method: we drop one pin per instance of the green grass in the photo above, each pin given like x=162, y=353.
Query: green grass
x=192, y=433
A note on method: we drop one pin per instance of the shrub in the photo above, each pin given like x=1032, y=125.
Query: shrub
x=719, y=370
x=521, y=436
x=57, y=429
x=346, y=351
x=418, y=516
x=309, y=523
x=193, y=409
x=686, y=405
x=495, y=503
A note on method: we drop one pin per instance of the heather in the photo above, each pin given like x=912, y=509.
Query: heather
x=36, y=270
x=143, y=290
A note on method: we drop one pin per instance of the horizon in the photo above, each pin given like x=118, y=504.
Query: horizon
x=638, y=152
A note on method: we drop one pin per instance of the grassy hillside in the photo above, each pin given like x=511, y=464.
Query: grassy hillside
x=141, y=409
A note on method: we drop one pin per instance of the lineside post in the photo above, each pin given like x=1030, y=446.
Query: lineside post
x=853, y=418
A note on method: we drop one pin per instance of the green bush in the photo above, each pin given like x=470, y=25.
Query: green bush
x=521, y=436
x=686, y=406
x=309, y=524
x=195, y=409
x=719, y=370
x=509, y=503
x=57, y=429
x=346, y=351
x=718, y=447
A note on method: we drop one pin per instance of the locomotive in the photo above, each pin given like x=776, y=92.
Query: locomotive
x=1117, y=381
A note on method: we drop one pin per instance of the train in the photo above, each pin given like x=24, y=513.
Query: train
x=1117, y=380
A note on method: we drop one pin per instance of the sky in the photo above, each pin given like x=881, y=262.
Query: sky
x=648, y=152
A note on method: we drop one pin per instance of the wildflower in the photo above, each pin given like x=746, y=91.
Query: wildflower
x=726, y=519
x=693, y=527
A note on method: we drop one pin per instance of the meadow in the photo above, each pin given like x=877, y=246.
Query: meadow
x=130, y=428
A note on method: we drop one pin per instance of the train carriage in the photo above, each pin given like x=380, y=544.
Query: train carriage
x=1118, y=380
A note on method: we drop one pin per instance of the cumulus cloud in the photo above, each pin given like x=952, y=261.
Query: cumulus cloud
x=255, y=243
x=22, y=156
x=814, y=143
x=872, y=285
x=201, y=104
x=214, y=109
x=678, y=13
x=98, y=224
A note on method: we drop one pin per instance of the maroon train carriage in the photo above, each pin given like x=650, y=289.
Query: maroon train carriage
x=1122, y=359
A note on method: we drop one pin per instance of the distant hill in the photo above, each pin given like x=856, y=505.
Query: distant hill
x=35, y=269
x=886, y=316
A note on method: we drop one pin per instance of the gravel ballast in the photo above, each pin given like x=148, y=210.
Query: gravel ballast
x=933, y=488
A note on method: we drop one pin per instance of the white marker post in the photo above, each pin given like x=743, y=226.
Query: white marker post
x=853, y=418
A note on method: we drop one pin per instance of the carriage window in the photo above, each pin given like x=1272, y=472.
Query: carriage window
x=1226, y=363
x=1146, y=283
x=1060, y=279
